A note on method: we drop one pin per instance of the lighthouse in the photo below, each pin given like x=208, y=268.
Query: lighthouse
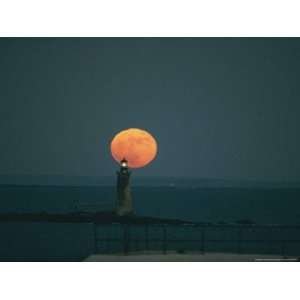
x=124, y=199
x=134, y=148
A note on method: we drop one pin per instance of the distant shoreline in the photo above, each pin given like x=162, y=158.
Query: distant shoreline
x=183, y=187
x=110, y=218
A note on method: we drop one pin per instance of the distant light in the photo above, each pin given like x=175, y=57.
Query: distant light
x=124, y=164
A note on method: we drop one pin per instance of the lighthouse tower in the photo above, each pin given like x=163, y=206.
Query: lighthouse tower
x=124, y=200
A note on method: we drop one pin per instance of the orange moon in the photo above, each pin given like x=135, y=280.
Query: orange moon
x=137, y=146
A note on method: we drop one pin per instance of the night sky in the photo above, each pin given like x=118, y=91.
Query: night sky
x=220, y=108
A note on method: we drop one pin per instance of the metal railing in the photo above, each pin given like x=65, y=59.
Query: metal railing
x=204, y=236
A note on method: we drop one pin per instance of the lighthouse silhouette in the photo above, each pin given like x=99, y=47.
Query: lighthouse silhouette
x=124, y=199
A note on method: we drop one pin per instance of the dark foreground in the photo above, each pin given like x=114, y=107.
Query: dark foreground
x=71, y=223
x=58, y=241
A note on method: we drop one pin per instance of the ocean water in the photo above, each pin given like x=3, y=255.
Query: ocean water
x=265, y=206
x=29, y=241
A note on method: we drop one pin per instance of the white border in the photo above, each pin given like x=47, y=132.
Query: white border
x=149, y=281
x=149, y=18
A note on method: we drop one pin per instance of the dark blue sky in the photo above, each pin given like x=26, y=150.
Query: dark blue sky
x=224, y=108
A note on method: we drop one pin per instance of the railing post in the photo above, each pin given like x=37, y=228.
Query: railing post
x=136, y=244
x=283, y=247
x=203, y=240
x=95, y=238
x=107, y=239
x=239, y=240
x=164, y=245
x=147, y=237
x=126, y=240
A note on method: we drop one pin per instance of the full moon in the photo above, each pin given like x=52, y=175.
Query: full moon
x=137, y=146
